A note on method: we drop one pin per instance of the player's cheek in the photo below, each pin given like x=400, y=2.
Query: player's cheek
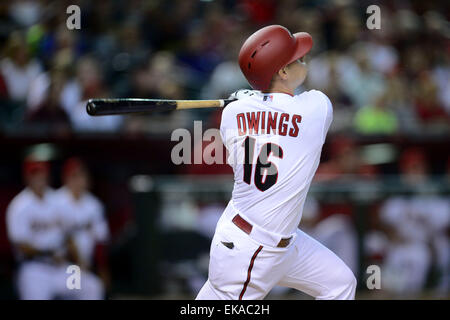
x=304, y=68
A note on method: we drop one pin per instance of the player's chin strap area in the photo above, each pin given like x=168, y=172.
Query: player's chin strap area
x=266, y=238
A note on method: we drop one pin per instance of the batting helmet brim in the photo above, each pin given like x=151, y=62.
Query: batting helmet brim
x=304, y=44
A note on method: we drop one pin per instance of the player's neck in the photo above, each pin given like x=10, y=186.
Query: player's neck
x=76, y=194
x=38, y=192
x=279, y=87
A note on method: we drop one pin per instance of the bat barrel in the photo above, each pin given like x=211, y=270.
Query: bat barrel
x=101, y=107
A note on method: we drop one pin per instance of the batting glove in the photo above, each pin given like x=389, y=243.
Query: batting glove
x=243, y=93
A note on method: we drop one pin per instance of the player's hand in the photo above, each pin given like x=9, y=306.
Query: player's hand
x=243, y=93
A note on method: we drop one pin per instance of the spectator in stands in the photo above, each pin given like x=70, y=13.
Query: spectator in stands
x=89, y=76
x=70, y=92
x=26, y=12
x=376, y=119
x=18, y=68
x=427, y=104
x=398, y=100
x=363, y=84
x=49, y=115
x=345, y=162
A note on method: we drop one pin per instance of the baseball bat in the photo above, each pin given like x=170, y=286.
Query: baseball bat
x=103, y=107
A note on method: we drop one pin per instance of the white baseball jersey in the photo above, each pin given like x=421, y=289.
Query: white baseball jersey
x=35, y=221
x=83, y=219
x=274, y=143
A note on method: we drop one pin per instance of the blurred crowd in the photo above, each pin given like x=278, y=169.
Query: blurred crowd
x=384, y=81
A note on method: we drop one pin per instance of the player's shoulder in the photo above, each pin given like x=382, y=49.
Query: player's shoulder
x=93, y=201
x=59, y=192
x=234, y=107
x=245, y=104
x=25, y=199
x=317, y=102
x=21, y=200
x=60, y=195
x=51, y=196
x=316, y=96
x=231, y=110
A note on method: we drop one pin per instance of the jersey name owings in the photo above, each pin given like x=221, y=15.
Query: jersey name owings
x=268, y=122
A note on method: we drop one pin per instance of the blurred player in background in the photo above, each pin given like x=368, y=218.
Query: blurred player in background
x=42, y=248
x=416, y=224
x=83, y=219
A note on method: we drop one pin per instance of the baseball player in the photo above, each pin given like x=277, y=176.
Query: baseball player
x=274, y=140
x=83, y=219
x=41, y=245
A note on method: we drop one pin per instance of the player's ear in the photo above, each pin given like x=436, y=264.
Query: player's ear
x=282, y=73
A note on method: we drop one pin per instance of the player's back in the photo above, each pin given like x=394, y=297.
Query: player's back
x=274, y=143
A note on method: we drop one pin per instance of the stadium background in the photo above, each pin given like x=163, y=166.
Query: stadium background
x=389, y=139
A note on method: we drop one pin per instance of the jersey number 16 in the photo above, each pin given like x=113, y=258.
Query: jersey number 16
x=266, y=172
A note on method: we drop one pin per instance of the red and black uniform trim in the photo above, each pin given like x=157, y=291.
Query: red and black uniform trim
x=249, y=272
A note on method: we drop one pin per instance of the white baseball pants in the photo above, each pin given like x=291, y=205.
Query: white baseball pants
x=248, y=269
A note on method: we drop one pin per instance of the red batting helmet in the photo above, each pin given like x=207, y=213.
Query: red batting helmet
x=268, y=50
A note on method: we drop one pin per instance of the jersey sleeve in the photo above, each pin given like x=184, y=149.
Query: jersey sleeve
x=329, y=116
x=328, y=113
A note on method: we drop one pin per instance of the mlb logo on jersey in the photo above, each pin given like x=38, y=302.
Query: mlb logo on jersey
x=268, y=97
